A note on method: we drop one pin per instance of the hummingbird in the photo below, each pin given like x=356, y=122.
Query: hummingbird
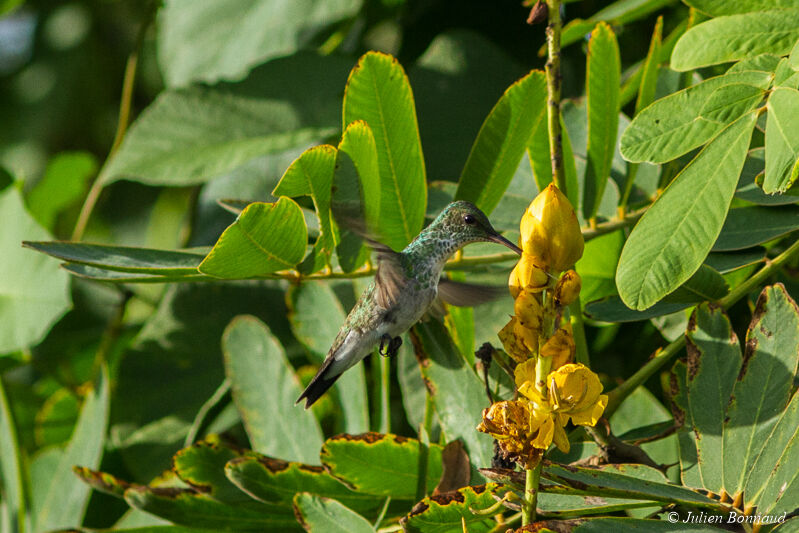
x=406, y=285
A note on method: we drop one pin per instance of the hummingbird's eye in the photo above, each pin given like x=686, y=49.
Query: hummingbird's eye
x=469, y=219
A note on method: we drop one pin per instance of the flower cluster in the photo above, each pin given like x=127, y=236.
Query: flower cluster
x=551, y=389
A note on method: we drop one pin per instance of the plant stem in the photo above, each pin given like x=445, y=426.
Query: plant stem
x=125, y=105
x=578, y=332
x=530, y=502
x=554, y=78
x=661, y=357
x=384, y=366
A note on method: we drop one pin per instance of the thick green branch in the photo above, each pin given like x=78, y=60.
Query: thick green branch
x=554, y=78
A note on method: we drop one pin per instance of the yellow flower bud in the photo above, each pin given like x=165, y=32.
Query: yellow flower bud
x=528, y=309
x=527, y=274
x=550, y=230
x=512, y=343
x=560, y=347
x=568, y=288
x=576, y=392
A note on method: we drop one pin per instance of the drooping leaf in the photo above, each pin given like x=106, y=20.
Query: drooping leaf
x=378, y=92
x=265, y=388
x=316, y=315
x=273, y=480
x=123, y=258
x=501, y=142
x=320, y=514
x=458, y=394
x=312, y=174
x=603, y=79
x=190, y=508
x=265, y=238
x=382, y=465
x=67, y=497
x=192, y=135
x=209, y=41
x=753, y=172
x=34, y=293
x=202, y=466
x=782, y=141
x=673, y=126
x=736, y=37
x=752, y=225
x=673, y=237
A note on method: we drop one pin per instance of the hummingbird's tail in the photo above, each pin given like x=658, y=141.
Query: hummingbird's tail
x=322, y=381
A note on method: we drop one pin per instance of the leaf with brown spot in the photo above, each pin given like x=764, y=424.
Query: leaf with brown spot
x=257, y=476
x=323, y=515
x=381, y=465
x=202, y=466
x=446, y=512
x=101, y=481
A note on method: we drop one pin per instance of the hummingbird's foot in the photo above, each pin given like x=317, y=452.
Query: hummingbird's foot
x=389, y=346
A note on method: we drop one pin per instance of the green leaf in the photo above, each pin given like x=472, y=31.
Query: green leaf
x=382, y=465
x=56, y=419
x=650, y=68
x=716, y=8
x=624, y=481
x=67, y=497
x=209, y=41
x=597, y=266
x=34, y=293
x=189, y=508
x=101, y=274
x=729, y=102
x=748, y=189
x=11, y=470
x=458, y=394
x=541, y=163
x=317, y=513
x=253, y=360
x=502, y=141
x=276, y=481
x=752, y=225
x=63, y=185
x=673, y=126
x=673, y=237
x=612, y=309
x=782, y=141
x=736, y=37
x=729, y=262
x=202, y=466
x=378, y=92
x=762, y=388
x=265, y=238
x=311, y=174
x=455, y=510
x=316, y=315
x=714, y=359
x=123, y=258
x=763, y=63
x=603, y=79
x=189, y=136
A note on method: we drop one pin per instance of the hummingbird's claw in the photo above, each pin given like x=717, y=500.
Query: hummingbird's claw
x=389, y=346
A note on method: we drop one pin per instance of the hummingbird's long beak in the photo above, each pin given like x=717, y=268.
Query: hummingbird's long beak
x=499, y=239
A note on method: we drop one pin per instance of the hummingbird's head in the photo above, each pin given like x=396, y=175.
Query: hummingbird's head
x=467, y=224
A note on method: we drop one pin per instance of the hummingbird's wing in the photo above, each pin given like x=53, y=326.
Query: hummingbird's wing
x=467, y=294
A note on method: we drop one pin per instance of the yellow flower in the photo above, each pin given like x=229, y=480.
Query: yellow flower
x=576, y=392
x=526, y=337
x=527, y=274
x=528, y=309
x=513, y=344
x=509, y=423
x=568, y=288
x=560, y=347
x=524, y=375
x=550, y=230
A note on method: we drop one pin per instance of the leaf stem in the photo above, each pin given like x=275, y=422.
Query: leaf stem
x=554, y=79
x=661, y=357
x=125, y=105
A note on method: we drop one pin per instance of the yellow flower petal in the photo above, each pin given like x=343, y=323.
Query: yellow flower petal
x=560, y=439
